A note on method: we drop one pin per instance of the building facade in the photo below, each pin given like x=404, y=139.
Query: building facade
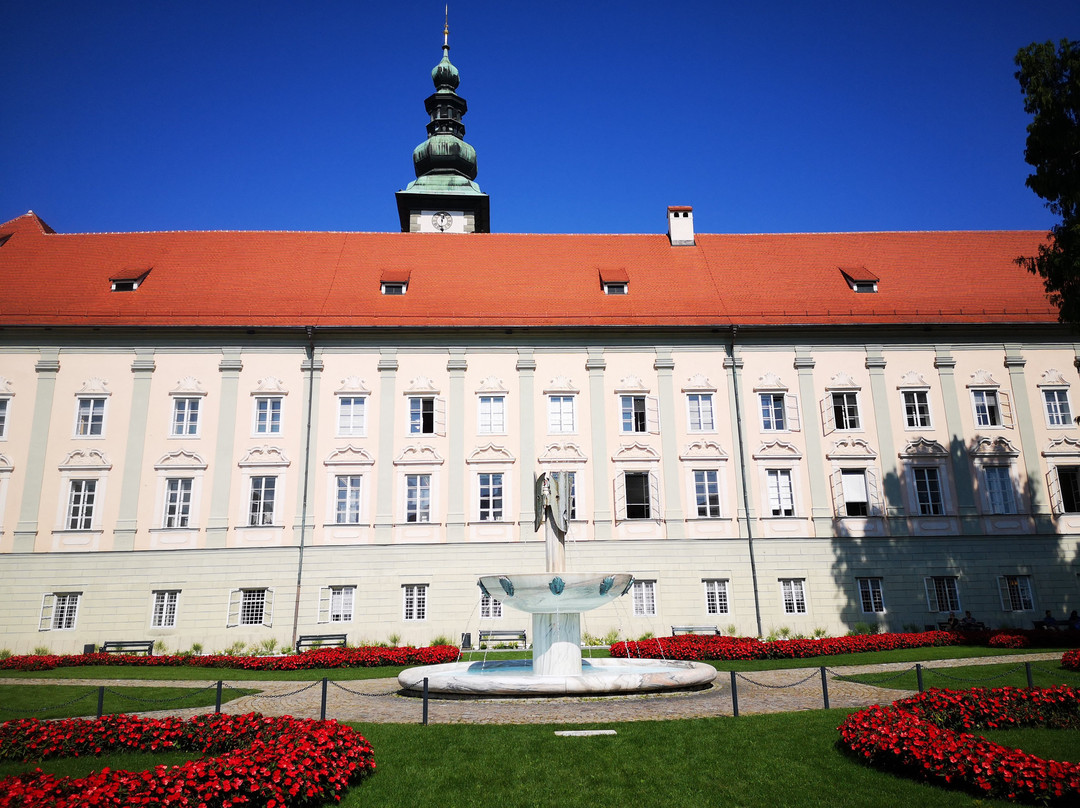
x=227, y=438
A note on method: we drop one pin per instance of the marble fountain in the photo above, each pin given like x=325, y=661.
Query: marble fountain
x=555, y=600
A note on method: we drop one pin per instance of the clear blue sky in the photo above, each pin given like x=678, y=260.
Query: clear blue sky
x=586, y=116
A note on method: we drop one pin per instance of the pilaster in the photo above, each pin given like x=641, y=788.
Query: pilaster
x=127, y=521
x=664, y=365
x=1024, y=419
x=457, y=482
x=47, y=367
x=526, y=369
x=384, y=496
x=311, y=372
x=820, y=501
x=895, y=514
x=595, y=365
x=217, y=526
x=733, y=364
x=961, y=464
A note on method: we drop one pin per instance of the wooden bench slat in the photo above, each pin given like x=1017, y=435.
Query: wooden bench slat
x=321, y=641
x=128, y=647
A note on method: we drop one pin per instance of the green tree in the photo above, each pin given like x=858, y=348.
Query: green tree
x=1050, y=80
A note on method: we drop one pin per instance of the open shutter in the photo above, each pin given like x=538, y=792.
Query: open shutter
x=837, y=482
x=1005, y=402
x=873, y=493
x=48, y=603
x=620, y=497
x=440, y=415
x=931, y=595
x=233, y=617
x=654, y=496
x=791, y=412
x=268, y=608
x=652, y=414
x=1003, y=592
x=828, y=415
x=324, y=604
x=1053, y=488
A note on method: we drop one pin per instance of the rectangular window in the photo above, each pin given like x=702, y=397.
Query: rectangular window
x=870, y=596
x=794, y=594
x=928, y=490
x=942, y=594
x=417, y=497
x=987, y=409
x=490, y=608
x=341, y=603
x=491, y=497
x=916, y=409
x=1015, y=591
x=185, y=420
x=701, y=412
x=164, y=609
x=1057, y=408
x=716, y=596
x=3, y=416
x=252, y=607
x=351, y=417
x=421, y=415
x=492, y=414
x=856, y=493
x=634, y=417
x=781, y=495
x=90, y=417
x=177, y=502
x=845, y=408
x=707, y=493
x=1069, y=482
x=65, y=611
x=772, y=412
x=644, y=594
x=999, y=489
x=82, y=497
x=267, y=416
x=637, y=495
x=347, y=509
x=561, y=418
x=572, y=476
x=263, y=491
x=415, y=601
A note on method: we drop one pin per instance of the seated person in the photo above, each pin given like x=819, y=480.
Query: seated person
x=952, y=624
x=1074, y=621
x=969, y=621
x=1049, y=621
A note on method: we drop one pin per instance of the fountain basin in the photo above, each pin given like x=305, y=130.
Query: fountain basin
x=556, y=592
x=515, y=677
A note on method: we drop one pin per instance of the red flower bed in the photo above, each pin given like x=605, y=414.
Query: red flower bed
x=1070, y=660
x=273, y=762
x=368, y=657
x=923, y=737
x=698, y=647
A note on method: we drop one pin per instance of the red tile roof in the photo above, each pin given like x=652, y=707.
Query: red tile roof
x=249, y=279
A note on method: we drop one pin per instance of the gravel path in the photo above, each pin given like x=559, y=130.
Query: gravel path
x=379, y=701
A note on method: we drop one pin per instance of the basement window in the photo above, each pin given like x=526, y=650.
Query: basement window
x=129, y=281
x=860, y=279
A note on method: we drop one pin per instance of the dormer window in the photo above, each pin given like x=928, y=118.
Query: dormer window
x=128, y=281
x=394, y=281
x=614, y=288
x=860, y=279
x=614, y=280
x=394, y=288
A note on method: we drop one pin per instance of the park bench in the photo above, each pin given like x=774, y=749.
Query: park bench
x=503, y=635
x=694, y=630
x=128, y=647
x=306, y=641
x=1061, y=624
x=962, y=627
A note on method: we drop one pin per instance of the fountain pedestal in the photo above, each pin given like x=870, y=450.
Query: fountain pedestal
x=556, y=644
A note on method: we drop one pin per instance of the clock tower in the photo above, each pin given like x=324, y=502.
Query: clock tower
x=444, y=197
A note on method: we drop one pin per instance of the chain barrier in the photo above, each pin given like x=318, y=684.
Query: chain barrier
x=275, y=695
x=854, y=677
x=1055, y=671
x=53, y=706
x=358, y=693
x=779, y=687
x=938, y=672
x=140, y=700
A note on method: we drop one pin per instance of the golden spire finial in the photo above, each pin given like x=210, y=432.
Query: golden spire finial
x=446, y=29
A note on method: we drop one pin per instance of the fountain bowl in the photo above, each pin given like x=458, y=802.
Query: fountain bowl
x=556, y=592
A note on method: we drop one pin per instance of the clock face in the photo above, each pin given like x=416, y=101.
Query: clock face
x=442, y=220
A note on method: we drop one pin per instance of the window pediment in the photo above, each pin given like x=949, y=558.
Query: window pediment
x=993, y=447
x=636, y=453
x=921, y=447
x=180, y=459
x=419, y=456
x=777, y=449
x=5, y=386
x=421, y=385
x=264, y=455
x=490, y=454
x=913, y=379
x=982, y=378
x=563, y=453
x=6, y=464
x=492, y=384
x=1062, y=446
x=769, y=382
x=270, y=385
x=188, y=386
x=632, y=384
x=1053, y=378
x=94, y=386
x=851, y=447
x=86, y=459
x=699, y=383
x=349, y=456
x=842, y=381
x=352, y=385
x=561, y=384
x=703, y=450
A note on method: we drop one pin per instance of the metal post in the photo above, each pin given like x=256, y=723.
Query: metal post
x=425, y=700
x=217, y=699
x=100, y=701
x=824, y=687
x=918, y=676
x=322, y=707
x=1027, y=670
x=734, y=697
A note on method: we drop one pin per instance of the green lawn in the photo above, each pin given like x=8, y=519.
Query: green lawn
x=1008, y=674
x=34, y=701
